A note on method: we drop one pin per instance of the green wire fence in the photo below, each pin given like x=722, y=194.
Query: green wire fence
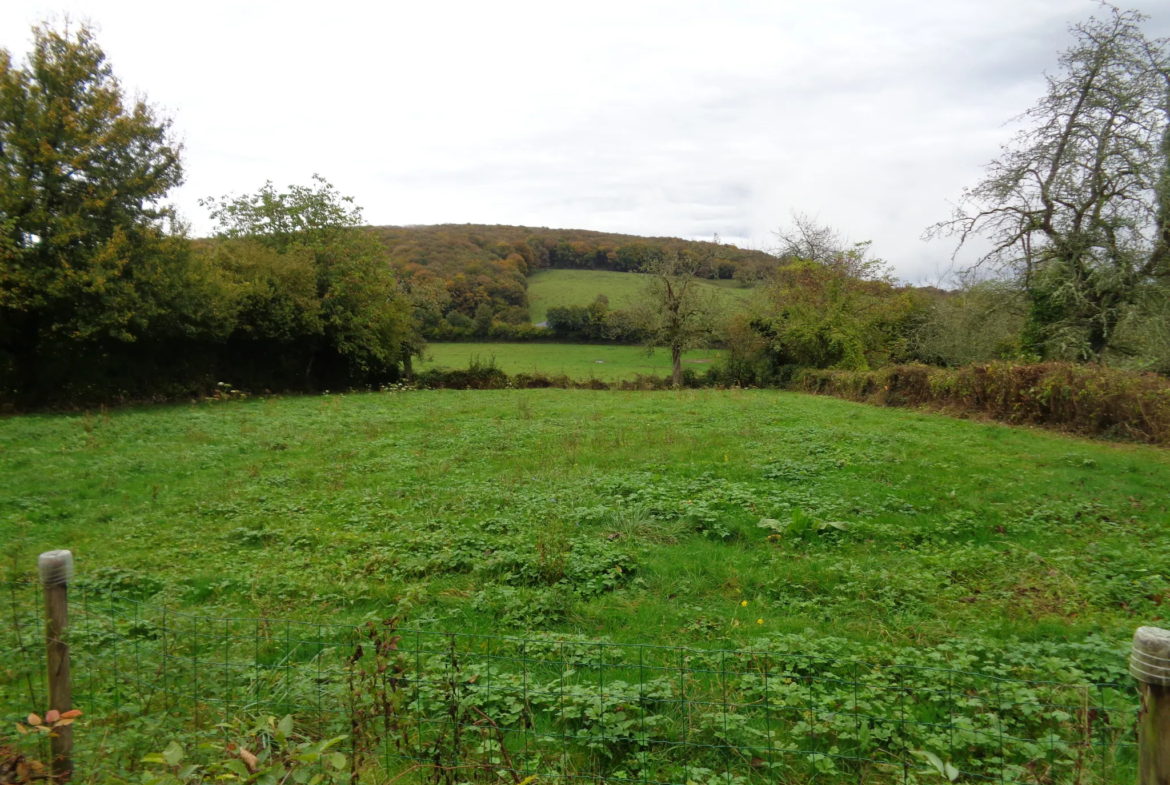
x=420, y=705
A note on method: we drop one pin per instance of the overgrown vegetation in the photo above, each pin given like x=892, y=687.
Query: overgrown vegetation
x=817, y=315
x=1077, y=206
x=384, y=701
x=1084, y=399
x=714, y=519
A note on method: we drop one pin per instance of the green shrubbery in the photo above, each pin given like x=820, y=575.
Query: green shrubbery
x=103, y=297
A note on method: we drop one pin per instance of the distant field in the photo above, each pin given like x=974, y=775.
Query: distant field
x=550, y=288
x=578, y=361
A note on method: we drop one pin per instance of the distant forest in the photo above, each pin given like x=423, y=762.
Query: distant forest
x=489, y=264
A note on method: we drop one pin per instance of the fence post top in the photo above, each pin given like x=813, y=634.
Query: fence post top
x=1149, y=662
x=55, y=567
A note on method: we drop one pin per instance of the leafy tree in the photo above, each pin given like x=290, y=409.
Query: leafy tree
x=367, y=324
x=1077, y=207
x=459, y=321
x=581, y=322
x=271, y=296
x=309, y=216
x=676, y=310
x=428, y=297
x=515, y=314
x=367, y=321
x=632, y=257
x=1144, y=335
x=820, y=316
x=85, y=252
x=483, y=319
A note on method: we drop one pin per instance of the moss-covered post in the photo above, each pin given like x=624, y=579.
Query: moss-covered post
x=56, y=570
x=1150, y=665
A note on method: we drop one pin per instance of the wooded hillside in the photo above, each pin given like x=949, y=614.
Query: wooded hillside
x=489, y=264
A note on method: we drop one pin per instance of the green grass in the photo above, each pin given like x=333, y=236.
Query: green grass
x=549, y=288
x=815, y=529
x=577, y=361
x=498, y=511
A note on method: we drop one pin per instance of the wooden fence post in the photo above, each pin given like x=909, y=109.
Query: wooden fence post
x=1149, y=663
x=56, y=570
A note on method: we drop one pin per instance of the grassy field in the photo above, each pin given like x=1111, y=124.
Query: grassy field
x=824, y=530
x=351, y=504
x=577, y=361
x=549, y=288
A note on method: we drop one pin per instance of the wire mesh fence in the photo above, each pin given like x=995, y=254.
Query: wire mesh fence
x=423, y=705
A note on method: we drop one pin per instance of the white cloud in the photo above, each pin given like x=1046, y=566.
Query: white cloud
x=655, y=118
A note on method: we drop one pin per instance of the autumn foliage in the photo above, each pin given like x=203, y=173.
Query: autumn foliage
x=1086, y=399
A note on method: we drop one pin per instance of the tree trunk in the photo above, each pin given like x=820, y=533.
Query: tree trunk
x=1102, y=329
x=676, y=357
x=408, y=367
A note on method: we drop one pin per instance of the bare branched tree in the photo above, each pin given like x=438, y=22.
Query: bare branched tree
x=808, y=239
x=1077, y=206
x=677, y=311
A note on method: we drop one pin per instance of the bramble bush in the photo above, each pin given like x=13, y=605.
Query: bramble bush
x=1088, y=399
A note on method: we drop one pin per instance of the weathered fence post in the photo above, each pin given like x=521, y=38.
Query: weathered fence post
x=1149, y=663
x=56, y=570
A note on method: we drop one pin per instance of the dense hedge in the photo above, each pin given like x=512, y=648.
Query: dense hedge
x=1086, y=399
x=485, y=376
x=500, y=331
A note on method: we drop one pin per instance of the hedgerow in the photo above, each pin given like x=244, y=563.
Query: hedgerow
x=1086, y=399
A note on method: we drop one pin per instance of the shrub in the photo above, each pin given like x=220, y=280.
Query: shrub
x=477, y=376
x=1087, y=399
x=458, y=321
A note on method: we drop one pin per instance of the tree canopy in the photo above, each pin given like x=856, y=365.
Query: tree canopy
x=102, y=295
x=1077, y=207
x=821, y=316
x=676, y=312
x=85, y=252
x=359, y=316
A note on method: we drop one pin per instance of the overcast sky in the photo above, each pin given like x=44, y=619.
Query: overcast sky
x=652, y=118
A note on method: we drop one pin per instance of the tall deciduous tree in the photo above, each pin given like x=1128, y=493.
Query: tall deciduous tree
x=1077, y=207
x=676, y=311
x=364, y=317
x=310, y=216
x=84, y=252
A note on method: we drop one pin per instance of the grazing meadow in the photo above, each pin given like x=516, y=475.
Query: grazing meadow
x=550, y=288
x=580, y=362
x=698, y=516
x=532, y=560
